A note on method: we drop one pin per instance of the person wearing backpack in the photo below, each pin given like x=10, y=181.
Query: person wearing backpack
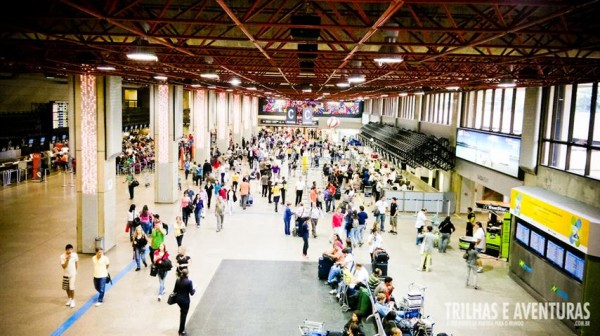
x=158, y=236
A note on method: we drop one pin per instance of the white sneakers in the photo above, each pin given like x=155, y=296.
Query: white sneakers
x=68, y=302
x=98, y=304
x=72, y=305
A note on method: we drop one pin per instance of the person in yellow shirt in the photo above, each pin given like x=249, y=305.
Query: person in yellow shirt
x=276, y=193
x=234, y=180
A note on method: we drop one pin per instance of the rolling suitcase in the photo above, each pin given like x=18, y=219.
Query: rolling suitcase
x=383, y=266
x=324, y=267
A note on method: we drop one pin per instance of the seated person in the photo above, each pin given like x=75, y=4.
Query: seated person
x=363, y=308
x=389, y=322
x=386, y=287
x=384, y=308
x=353, y=280
x=345, y=261
x=354, y=326
x=374, y=279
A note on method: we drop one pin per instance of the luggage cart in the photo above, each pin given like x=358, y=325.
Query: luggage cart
x=312, y=328
x=413, y=303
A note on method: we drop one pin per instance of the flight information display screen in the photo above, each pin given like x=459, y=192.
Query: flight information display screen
x=555, y=253
x=574, y=265
x=523, y=234
x=537, y=242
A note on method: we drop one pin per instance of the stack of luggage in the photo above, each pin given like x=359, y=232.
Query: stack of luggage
x=380, y=260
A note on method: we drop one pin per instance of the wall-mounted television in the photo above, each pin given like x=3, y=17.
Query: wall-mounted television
x=555, y=253
x=522, y=234
x=494, y=151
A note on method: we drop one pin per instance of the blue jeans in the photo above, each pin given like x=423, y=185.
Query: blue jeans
x=381, y=219
x=185, y=215
x=100, y=285
x=198, y=215
x=286, y=222
x=354, y=233
x=361, y=231
x=445, y=238
x=140, y=256
x=334, y=273
x=147, y=227
x=162, y=275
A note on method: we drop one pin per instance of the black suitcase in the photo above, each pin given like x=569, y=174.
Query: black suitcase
x=383, y=266
x=382, y=256
x=324, y=267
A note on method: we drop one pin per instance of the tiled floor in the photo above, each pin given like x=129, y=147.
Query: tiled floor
x=37, y=220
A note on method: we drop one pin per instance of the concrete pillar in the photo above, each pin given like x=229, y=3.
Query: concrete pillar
x=198, y=109
x=97, y=129
x=168, y=128
x=254, y=115
x=222, y=128
x=247, y=117
x=237, y=119
x=531, y=130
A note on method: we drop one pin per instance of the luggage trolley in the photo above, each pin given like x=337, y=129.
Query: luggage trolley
x=414, y=301
x=312, y=328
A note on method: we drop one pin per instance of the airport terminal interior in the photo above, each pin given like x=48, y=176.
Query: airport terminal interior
x=467, y=111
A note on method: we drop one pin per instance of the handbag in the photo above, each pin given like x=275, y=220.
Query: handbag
x=153, y=270
x=135, y=183
x=172, y=298
x=108, y=279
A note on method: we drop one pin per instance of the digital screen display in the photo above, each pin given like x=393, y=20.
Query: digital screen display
x=497, y=152
x=523, y=233
x=555, y=253
x=42, y=139
x=30, y=142
x=574, y=265
x=60, y=117
x=338, y=108
x=64, y=136
x=537, y=242
x=53, y=138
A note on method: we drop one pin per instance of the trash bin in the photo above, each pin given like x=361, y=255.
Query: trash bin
x=100, y=242
x=465, y=241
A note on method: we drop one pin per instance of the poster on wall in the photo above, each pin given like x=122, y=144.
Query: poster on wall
x=342, y=109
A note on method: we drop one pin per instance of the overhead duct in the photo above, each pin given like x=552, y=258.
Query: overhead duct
x=307, y=51
x=306, y=33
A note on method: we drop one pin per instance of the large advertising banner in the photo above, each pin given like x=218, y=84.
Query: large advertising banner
x=338, y=108
x=290, y=116
x=307, y=116
x=562, y=224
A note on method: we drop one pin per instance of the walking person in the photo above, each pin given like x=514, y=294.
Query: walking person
x=163, y=264
x=140, y=240
x=69, y=262
x=381, y=207
x=427, y=249
x=158, y=236
x=287, y=218
x=276, y=193
x=470, y=222
x=231, y=198
x=244, y=192
x=299, y=190
x=471, y=257
x=394, y=216
x=204, y=198
x=183, y=289
x=264, y=182
x=179, y=229
x=446, y=229
x=362, y=224
x=131, y=184
x=185, y=210
x=220, y=212
x=209, y=191
x=198, y=206
x=131, y=216
x=283, y=190
x=419, y=224
x=146, y=219
x=101, y=264
x=304, y=232
x=315, y=214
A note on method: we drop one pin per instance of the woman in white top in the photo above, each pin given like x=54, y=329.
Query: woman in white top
x=101, y=264
x=179, y=229
x=375, y=240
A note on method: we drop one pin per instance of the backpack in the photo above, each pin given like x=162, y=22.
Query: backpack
x=166, y=227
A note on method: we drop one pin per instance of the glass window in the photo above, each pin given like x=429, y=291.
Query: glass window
x=519, y=108
x=597, y=124
x=558, y=156
x=581, y=122
x=595, y=164
x=545, y=153
x=478, y=109
x=496, y=111
x=507, y=109
x=577, y=160
x=487, y=109
x=562, y=115
x=549, y=114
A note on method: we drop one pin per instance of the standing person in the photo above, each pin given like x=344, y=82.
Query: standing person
x=480, y=244
x=304, y=229
x=420, y=223
x=183, y=260
x=264, y=182
x=336, y=222
x=427, y=249
x=394, y=216
x=131, y=216
x=231, y=198
x=183, y=289
x=101, y=264
x=164, y=265
x=446, y=229
x=198, y=206
x=186, y=169
x=209, y=191
x=185, y=211
x=315, y=214
x=158, y=236
x=381, y=206
x=472, y=258
x=146, y=219
x=244, y=192
x=269, y=190
x=470, y=222
x=140, y=240
x=235, y=179
x=299, y=190
x=287, y=218
x=131, y=184
x=283, y=190
x=276, y=193
x=375, y=241
x=220, y=212
x=206, y=169
x=362, y=224
x=179, y=229
x=69, y=262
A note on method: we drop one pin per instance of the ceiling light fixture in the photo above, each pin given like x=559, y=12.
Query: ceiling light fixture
x=196, y=85
x=326, y=93
x=209, y=74
x=356, y=76
x=212, y=87
x=235, y=81
x=105, y=67
x=419, y=93
x=389, y=52
x=402, y=94
x=142, y=52
x=507, y=83
x=452, y=88
x=343, y=84
x=251, y=88
x=160, y=77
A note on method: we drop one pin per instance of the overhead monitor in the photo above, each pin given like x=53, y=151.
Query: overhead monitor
x=522, y=234
x=537, y=242
x=574, y=265
x=555, y=253
x=494, y=151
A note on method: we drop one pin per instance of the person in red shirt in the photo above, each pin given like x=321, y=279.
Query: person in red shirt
x=336, y=222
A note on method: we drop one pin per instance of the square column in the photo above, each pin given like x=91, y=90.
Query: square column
x=201, y=133
x=167, y=102
x=247, y=117
x=236, y=118
x=222, y=128
x=98, y=108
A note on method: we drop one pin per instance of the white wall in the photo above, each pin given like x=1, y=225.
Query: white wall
x=574, y=186
x=486, y=177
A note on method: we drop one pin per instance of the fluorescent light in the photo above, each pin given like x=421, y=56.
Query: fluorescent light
x=419, y=93
x=326, y=93
x=251, y=88
x=160, y=77
x=356, y=78
x=196, y=85
x=235, y=81
x=389, y=59
x=507, y=83
x=343, y=84
x=212, y=87
x=383, y=95
x=229, y=90
x=307, y=90
x=106, y=68
x=144, y=56
x=452, y=88
x=402, y=94
x=209, y=75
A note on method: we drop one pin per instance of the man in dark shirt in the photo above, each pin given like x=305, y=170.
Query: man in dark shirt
x=206, y=168
x=470, y=222
x=362, y=224
x=446, y=228
x=393, y=214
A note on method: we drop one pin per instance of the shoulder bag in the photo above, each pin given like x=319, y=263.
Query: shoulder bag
x=172, y=298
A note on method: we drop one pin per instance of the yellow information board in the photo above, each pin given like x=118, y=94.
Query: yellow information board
x=563, y=224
